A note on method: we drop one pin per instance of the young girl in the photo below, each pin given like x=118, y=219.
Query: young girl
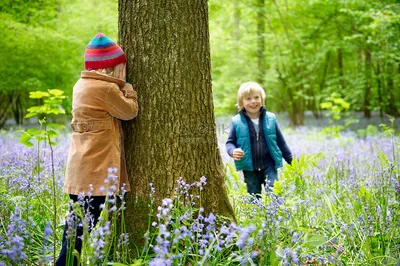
x=255, y=141
x=101, y=97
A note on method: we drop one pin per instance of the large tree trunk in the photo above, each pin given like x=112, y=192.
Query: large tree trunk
x=174, y=135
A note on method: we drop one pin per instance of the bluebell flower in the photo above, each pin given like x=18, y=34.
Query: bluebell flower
x=160, y=262
x=13, y=247
x=244, y=236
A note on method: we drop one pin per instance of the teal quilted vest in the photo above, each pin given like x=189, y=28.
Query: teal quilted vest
x=243, y=140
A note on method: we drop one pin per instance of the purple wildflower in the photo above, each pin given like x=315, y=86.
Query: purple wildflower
x=244, y=236
x=160, y=262
x=13, y=248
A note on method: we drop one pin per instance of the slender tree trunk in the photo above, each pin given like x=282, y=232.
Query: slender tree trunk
x=317, y=112
x=296, y=117
x=340, y=58
x=379, y=81
x=15, y=107
x=174, y=135
x=367, y=89
x=391, y=98
x=260, y=41
x=236, y=20
x=340, y=66
x=5, y=104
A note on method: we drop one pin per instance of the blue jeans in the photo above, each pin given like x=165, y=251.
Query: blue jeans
x=254, y=179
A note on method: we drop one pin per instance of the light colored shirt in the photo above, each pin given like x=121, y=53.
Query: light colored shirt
x=256, y=122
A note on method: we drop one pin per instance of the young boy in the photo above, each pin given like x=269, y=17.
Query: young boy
x=255, y=141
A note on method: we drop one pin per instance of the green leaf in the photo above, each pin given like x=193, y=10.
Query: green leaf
x=278, y=187
x=364, y=193
x=33, y=111
x=137, y=262
x=56, y=92
x=274, y=260
x=299, y=182
x=30, y=115
x=279, y=253
x=57, y=110
x=52, y=133
x=55, y=126
x=315, y=241
x=357, y=207
x=38, y=94
x=25, y=139
x=326, y=105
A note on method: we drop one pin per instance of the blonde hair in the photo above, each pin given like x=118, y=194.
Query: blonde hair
x=118, y=71
x=247, y=88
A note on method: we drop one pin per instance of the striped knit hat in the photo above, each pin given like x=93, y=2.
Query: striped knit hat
x=102, y=52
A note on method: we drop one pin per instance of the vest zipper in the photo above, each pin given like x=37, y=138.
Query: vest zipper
x=258, y=155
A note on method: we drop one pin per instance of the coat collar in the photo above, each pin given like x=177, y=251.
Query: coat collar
x=95, y=75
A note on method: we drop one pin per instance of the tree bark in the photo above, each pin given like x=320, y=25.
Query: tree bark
x=174, y=134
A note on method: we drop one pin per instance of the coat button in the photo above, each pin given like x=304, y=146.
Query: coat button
x=84, y=127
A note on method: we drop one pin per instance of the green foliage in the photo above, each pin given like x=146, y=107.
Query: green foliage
x=52, y=103
x=371, y=131
x=388, y=130
x=296, y=174
x=52, y=100
x=306, y=51
x=42, y=46
x=311, y=49
x=34, y=12
x=337, y=109
x=330, y=205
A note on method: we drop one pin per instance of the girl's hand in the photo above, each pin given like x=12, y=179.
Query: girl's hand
x=237, y=154
x=129, y=92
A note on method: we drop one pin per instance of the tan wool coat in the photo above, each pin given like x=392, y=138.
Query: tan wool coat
x=99, y=101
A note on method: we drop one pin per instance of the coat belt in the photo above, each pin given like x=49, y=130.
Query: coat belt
x=91, y=126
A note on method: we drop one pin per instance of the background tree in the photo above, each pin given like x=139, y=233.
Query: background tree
x=312, y=49
x=174, y=135
x=302, y=51
x=42, y=47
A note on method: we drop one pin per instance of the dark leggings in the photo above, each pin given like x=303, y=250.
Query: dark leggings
x=95, y=213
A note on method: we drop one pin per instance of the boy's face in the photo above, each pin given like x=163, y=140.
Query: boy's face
x=252, y=103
